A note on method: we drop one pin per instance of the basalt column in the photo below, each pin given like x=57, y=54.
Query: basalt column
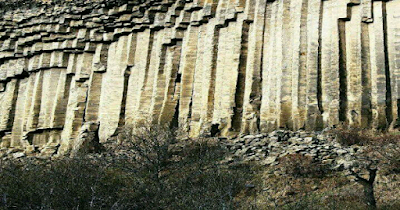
x=209, y=67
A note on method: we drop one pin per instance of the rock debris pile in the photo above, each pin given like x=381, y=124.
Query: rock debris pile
x=268, y=149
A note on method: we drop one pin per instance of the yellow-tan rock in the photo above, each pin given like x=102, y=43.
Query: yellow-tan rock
x=218, y=67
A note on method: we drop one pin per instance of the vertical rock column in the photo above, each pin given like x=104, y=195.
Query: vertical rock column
x=227, y=71
x=18, y=121
x=74, y=114
x=199, y=82
x=313, y=103
x=285, y=57
x=112, y=89
x=98, y=67
x=139, y=75
x=187, y=69
x=154, y=59
x=8, y=101
x=161, y=79
x=209, y=71
x=252, y=67
x=268, y=102
x=171, y=95
x=393, y=43
x=34, y=109
x=379, y=68
x=354, y=68
x=299, y=46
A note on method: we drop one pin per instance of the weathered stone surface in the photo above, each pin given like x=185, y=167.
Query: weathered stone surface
x=88, y=139
x=209, y=67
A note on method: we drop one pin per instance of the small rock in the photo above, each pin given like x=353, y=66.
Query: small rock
x=341, y=151
x=18, y=155
x=13, y=150
x=249, y=137
x=310, y=155
x=346, y=164
x=268, y=160
x=327, y=162
x=259, y=136
x=250, y=141
x=249, y=185
x=308, y=140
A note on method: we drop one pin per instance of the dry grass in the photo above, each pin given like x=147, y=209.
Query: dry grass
x=139, y=174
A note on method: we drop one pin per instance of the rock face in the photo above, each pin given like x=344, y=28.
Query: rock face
x=218, y=66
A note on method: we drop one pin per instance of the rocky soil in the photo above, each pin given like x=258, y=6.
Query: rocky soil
x=275, y=185
x=266, y=149
x=269, y=148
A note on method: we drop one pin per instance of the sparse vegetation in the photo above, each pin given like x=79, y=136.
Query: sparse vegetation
x=381, y=154
x=298, y=165
x=147, y=167
x=144, y=171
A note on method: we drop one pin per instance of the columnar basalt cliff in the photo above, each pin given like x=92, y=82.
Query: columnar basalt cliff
x=225, y=66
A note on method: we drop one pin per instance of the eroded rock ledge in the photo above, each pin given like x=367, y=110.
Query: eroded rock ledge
x=220, y=67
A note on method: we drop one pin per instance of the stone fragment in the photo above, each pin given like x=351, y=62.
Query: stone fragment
x=18, y=155
x=269, y=161
x=88, y=140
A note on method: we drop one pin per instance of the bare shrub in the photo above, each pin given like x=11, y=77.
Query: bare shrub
x=149, y=145
x=353, y=136
x=386, y=148
x=380, y=153
x=145, y=170
x=298, y=165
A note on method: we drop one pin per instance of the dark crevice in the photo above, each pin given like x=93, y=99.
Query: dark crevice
x=173, y=91
x=2, y=134
x=319, y=70
x=397, y=123
x=61, y=106
x=178, y=78
x=85, y=108
x=151, y=39
x=215, y=131
x=13, y=105
x=342, y=71
x=190, y=109
x=175, y=119
x=241, y=80
x=211, y=91
x=366, y=113
x=389, y=111
x=127, y=74
x=159, y=96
